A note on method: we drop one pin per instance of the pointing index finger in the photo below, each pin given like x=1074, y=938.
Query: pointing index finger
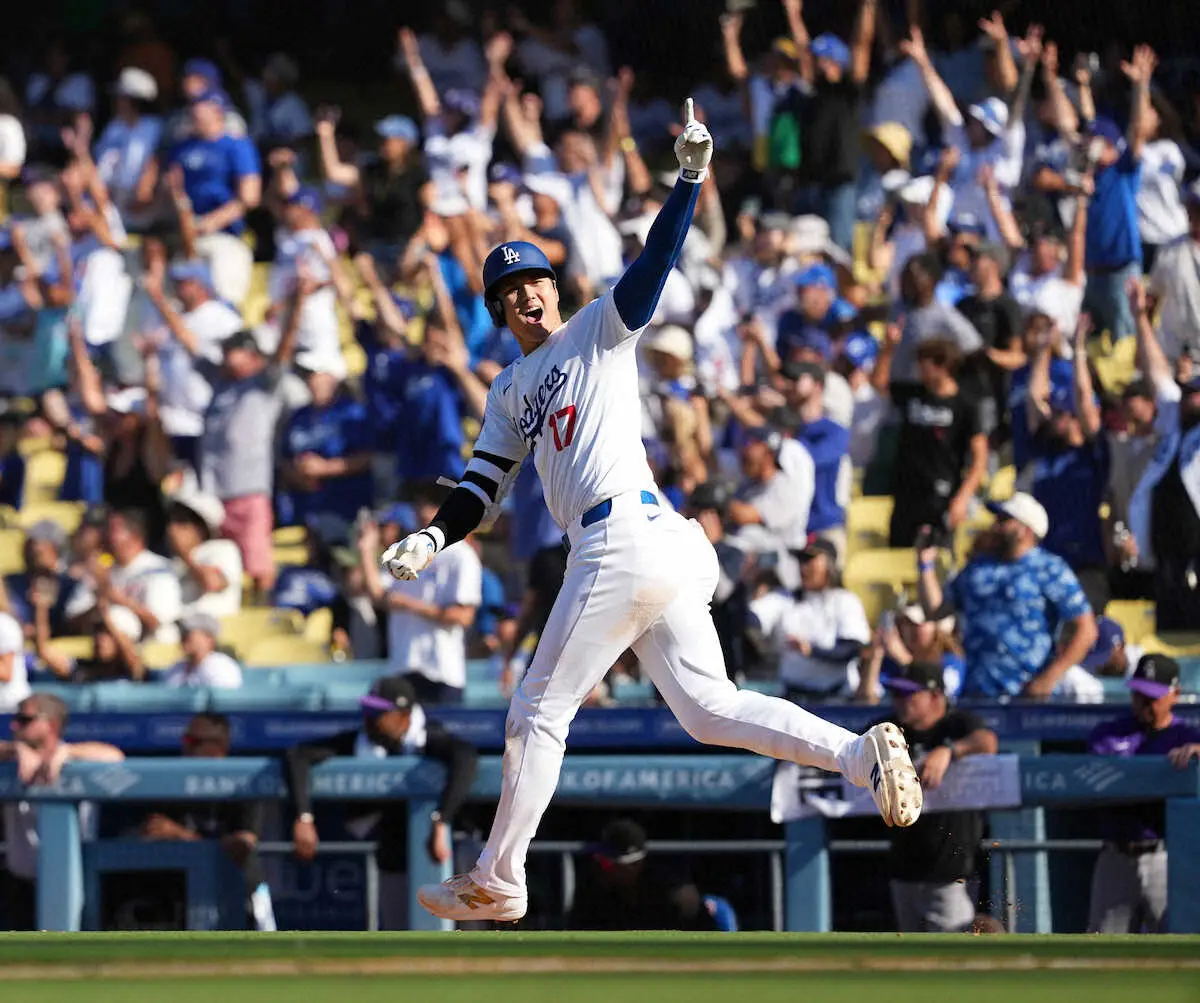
x=689, y=112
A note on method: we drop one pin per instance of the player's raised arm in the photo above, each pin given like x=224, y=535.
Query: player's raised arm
x=636, y=294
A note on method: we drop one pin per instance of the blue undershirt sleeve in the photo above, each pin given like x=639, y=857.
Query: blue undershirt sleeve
x=636, y=293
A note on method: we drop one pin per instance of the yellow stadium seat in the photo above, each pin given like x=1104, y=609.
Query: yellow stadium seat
x=286, y=651
x=295, y=554
x=356, y=359
x=81, y=648
x=877, y=599
x=161, y=654
x=1136, y=617
x=1003, y=483
x=12, y=551
x=34, y=444
x=243, y=629
x=319, y=626
x=1177, y=644
x=881, y=566
x=868, y=523
x=44, y=473
x=66, y=514
x=288, y=536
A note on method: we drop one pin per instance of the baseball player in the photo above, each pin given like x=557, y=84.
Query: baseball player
x=637, y=576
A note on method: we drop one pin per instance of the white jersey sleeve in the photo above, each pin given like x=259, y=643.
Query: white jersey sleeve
x=498, y=452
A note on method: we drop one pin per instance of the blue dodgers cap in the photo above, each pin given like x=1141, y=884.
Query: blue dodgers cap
x=816, y=275
x=1107, y=128
x=860, y=350
x=511, y=258
x=966, y=222
x=190, y=271
x=398, y=127
x=211, y=95
x=503, y=173
x=461, y=100
x=205, y=68
x=1109, y=634
x=306, y=197
x=1062, y=399
x=831, y=47
x=992, y=114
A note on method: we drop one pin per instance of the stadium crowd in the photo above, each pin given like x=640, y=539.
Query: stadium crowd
x=928, y=373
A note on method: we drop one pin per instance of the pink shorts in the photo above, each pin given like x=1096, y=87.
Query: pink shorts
x=248, y=523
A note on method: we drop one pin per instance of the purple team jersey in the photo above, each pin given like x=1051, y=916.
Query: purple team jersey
x=1126, y=736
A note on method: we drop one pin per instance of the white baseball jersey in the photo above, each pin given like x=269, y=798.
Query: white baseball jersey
x=573, y=402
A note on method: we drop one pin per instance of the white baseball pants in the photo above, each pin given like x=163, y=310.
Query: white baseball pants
x=641, y=578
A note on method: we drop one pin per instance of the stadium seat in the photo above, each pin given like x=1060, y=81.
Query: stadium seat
x=32, y=444
x=262, y=679
x=868, y=523
x=480, y=670
x=771, y=687
x=246, y=628
x=362, y=672
x=66, y=514
x=318, y=627
x=44, y=472
x=1003, y=483
x=12, y=551
x=1136, y=617
x=344, y=697
x=160, y=654
x=282, y=698
x=79, y=699
x=293, y=555
x=146, y=697
x=284, y=650
x=74, y=647
x=1177, y=644
x=629, y=691
x=288, y=536
x=896, y=567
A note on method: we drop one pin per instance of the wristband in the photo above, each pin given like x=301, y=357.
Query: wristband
x=629, y=145
x=436, y=817
x=693, y=176
x=925, y=566
x=437, y=536
x=306, y=817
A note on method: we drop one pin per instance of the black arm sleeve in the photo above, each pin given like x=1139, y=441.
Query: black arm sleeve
x=299, y=760
x=460, y=513
x=461, y=761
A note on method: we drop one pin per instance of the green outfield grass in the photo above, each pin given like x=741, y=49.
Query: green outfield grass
x=604, y=968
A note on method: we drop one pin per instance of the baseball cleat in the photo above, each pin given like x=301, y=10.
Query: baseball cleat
x=460, y=899
x=890, y=775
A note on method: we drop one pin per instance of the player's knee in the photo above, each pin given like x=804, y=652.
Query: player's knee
x=704, y=722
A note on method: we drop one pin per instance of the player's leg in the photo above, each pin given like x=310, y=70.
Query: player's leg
x=1115, y=893
x=1152, y=875
x=588, y=629
x=681, y=653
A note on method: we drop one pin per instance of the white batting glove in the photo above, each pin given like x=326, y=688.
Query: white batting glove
x=694, y=147
x=409, y=557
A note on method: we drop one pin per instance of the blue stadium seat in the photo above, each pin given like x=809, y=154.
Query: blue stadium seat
x=258, y=679
x=483, y=693
x=145, y=697
x=344, y=696
x=79, y=699
x=276, y=698
x=629, y=692
x=324, y=672
x=1189, y=675
x=480, y=670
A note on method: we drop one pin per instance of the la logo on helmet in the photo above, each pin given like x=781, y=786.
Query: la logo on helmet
x=511, y=255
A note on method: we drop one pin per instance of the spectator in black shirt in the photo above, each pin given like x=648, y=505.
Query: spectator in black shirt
x=942, y=447
x=997, y=317
x=390, y=194
x=829, y=110
x=620, y=890
x=930, y=861
x=394, y=724
x=235, y=823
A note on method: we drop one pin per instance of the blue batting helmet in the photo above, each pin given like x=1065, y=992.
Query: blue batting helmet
x=509, y=259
